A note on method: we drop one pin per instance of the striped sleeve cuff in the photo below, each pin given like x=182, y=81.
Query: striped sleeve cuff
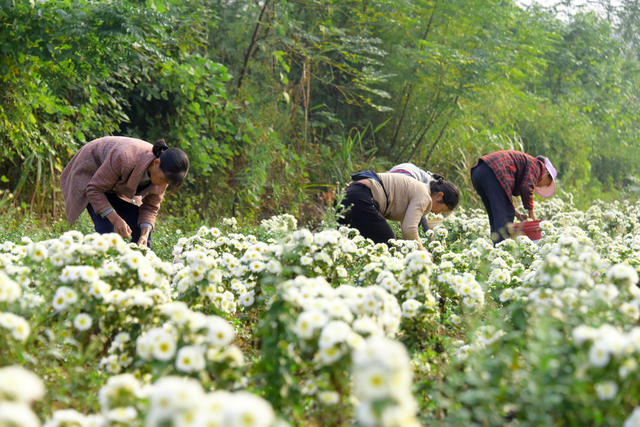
x=107, y=212
x=146, y=225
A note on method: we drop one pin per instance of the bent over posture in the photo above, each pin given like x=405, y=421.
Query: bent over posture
x=421, y=175
x=121, y=182
x=498, y=176
x=371, y=197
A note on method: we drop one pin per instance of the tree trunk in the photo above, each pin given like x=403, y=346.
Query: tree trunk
x=444, y=127
x=252, y=44
x=409, y=88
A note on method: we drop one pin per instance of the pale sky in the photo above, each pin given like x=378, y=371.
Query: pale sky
x=576, y=5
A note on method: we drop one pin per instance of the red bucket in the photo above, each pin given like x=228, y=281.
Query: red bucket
x=531, y=229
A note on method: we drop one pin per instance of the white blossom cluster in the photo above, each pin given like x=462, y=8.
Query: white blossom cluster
x=610, y=345
x=382, y=381
x=186, y=340
x=16, y=325
x=279, y=224
x=19, y=389
x=337, y=319
x=341, y=300
x=171, y=400
x=222, y=272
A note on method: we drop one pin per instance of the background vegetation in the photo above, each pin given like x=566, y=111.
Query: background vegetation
x=276, y=101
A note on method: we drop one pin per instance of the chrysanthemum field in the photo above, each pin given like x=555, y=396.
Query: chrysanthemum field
x=286, y=326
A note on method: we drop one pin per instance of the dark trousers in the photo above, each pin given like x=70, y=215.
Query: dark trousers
x=362, y=213
x=128, y=212
x=496, y=202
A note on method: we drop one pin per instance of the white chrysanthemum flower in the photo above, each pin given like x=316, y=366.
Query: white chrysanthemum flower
x=630, y=310
x=463, y=351
x=423, y=280
x=487, y=335
x=599, y=354
x=634, y=338
x=177, y=311
x=455, y=319
x=400, y=415
x=196, y=273
x=17, y=414
x=582, y=333
x=82, y=322
x=634, y=419
x=328, y=355
x=507, y=295
x=125, y=415
x=38, y=252
x=10, y=291
x=627, y=367
x=607, y=292
x=144, y=347
x=163, y=345
x=230, y=221
x=366, y=326
x=100, y=243
x=94, y=420
x=238, y=287
x=334, y=332
x=410, y=308
x=133, y=259
x=382, y=370
x=500, y=275
x=210, y=291
x=111, y=268
x=309, y=387
x=214, y=276
x=190, y=359
x=365, y=414
x=309, y=322
x=172, y=394
x=219, y=332
x=114, y=240
x=65, y=417
x=63, y=298
x=244, y=409
x=624, y=273
x=247, y=299
x=606, y=390
x=99, y=289
x=147, y=274
x=341, y=272
x=18, y=326
x=615, y=341
x=373, y=382
x=210, y=412
x=274, y=267
x=20, y=385
x=328, y=397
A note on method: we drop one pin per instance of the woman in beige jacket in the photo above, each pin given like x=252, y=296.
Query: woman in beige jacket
x=371, y=197
x=121, y=182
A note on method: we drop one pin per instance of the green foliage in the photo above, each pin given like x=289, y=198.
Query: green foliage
x=276, y=101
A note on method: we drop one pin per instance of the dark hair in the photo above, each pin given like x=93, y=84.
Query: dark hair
x=174, y=162
x=450, y=193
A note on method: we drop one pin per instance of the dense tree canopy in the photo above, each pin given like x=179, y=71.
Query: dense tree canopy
x=275, y=101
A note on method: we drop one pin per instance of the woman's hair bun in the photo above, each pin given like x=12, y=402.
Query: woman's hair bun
x=159, y=147
x=438, y=178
